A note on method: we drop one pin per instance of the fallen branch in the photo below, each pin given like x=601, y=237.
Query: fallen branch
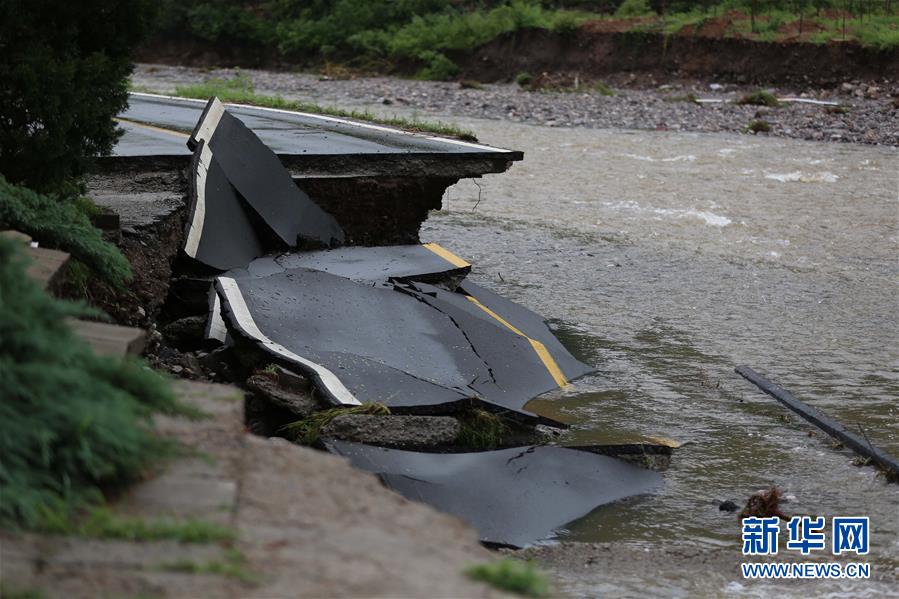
x=833, y=428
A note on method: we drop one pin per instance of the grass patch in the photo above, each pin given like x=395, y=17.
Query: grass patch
x=64, y=224
x=603, y=89
x=102, y=523
x=523, y=79
x=71, y=422
x=513, y=576
x=240, y=91
x=480, y=429
x=633, y=8
x=8, y=592
x=758, y=126
x=689, y=98
x=232, y=566
x=308, y=430
x=760, y=98
x=841, y=109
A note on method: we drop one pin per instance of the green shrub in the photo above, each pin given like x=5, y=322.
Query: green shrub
x=439, y=67
x=512, y=575
x=603, y=89
x=62, y=224
x=758, y=126
x=71, y=423
x=760, y=98
x=64, y=68
x=480, y=429
x=690, y=98
x=523, y=79
x=633, y=8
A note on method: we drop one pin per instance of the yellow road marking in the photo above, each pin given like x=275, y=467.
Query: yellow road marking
x=541, y=350
x=446, y=255
x=665, y=441
x=151, y=127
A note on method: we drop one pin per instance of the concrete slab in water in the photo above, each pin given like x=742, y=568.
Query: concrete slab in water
x=512, y=496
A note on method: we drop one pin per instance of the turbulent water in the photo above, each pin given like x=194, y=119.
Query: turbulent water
x=666, y=259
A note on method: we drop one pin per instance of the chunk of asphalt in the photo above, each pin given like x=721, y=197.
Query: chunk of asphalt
x=517, y=372
x=429, y=262
x=528, y=322
x=368, y=342
x=548, y=354
x=513, y=497
x=358, y=342
x=219, y=233
x=392, y=430
x=262, y=181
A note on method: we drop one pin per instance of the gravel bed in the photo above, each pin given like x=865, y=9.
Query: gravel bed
x=870, y=114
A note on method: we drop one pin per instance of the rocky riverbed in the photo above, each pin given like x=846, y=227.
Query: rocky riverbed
x=867, y=111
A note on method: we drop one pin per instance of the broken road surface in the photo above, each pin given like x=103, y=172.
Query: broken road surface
x=397, y=325
x=513, y=496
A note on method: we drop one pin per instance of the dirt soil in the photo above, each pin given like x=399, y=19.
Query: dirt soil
x=718, y=48
x=603, y=53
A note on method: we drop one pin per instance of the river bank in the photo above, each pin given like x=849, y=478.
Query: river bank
x=867, y=111
x=666, y=258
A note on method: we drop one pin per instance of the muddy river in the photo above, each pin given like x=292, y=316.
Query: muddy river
x=666, y=259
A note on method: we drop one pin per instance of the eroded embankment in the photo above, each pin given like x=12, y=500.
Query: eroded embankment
x=598, y=53
x=593, y=53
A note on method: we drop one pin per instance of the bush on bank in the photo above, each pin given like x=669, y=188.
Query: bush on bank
x=60, y=223
x=376, y=33
x=64, y=68
x=71, y=423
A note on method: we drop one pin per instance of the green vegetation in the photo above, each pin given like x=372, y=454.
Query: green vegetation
x=633, y=8
x=760, y=98
x=841, y=109
x=62, y=224
x=64, y=68
x=308, y=430
x=523, y=79
x=240, y=90
x=481, y=429
x=232, y=566
x=101, y=523
x=690, y=98
x=7, y=592
x=379, y=34
x=603, y=89
x=513, y=576
x=71, y=423
x=363, y=33
x=758, y=126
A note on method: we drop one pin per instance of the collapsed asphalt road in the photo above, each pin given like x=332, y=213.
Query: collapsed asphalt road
x=399, y=326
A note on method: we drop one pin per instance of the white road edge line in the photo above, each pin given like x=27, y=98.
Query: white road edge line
x=332, y=119
x=217, y=328
x=245, y=320
x=196, y=225
x=213, y=116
